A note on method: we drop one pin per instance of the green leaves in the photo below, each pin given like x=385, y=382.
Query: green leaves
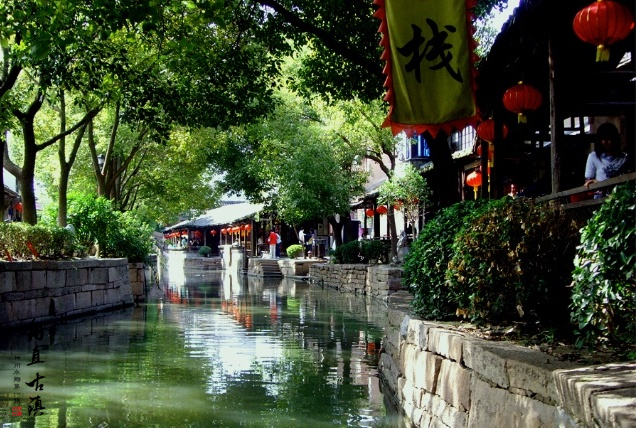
x=603, y=305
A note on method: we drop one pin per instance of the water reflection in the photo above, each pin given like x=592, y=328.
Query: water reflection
x=209, y=349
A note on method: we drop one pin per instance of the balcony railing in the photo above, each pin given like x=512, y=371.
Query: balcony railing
x=583, y=197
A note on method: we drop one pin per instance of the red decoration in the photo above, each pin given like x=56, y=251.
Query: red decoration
x=381, y=210
x=223, y=231
x=486, y=130
x=197, y=234
x=370, y=212
x=603, y=23
x=521, y=99
x=474, y=180
x=213, y=232
x=247, y=227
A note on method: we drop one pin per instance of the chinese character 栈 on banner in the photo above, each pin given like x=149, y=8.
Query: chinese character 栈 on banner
x=429, y=50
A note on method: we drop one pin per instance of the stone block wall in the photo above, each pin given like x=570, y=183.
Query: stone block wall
x=46, y=290
x=439, y=377
x=378, y=281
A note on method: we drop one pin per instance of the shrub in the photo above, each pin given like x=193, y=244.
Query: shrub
x=511, y=264
x=362, y=252
x=205, y=250
x=424, y=269
x=604, y=277
x=294, y=251
x=117, y=234
x=127, y=237
x=347, y=253
x=375, y=251
x=49, y=242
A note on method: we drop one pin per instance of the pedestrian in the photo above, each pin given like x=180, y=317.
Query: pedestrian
x=309, y=241
x=301, y=239
x=607, y=160
x=271, y=240
x=279, y=243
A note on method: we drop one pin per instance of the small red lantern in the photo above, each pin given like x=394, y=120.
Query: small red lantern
x=381, y=210
x=486, y=130
x=369, y=212
x=474, y=180
x=197, y=234
x=247, y=227
x=213, y=232
x=521, y=99
x=223, y=231
x=603, y=23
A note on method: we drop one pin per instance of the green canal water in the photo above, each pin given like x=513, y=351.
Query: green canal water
x=207, y=350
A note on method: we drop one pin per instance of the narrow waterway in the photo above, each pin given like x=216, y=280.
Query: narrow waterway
x=208, y=349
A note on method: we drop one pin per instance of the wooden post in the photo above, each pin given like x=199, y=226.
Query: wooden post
x=556, y=125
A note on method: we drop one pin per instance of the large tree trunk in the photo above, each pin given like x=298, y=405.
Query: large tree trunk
x=27, y=177
x=337, y=228
x=446, y=191
x=392, y=232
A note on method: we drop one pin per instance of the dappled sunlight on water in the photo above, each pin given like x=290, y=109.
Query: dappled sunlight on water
x=208, y=349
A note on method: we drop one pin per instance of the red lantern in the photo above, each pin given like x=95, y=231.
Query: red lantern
x=521, y=99
x=381, y=210
x=486, y=130
x=213, y=232
x=474, y=180
x=369, y=212
x=197, y=234
x=603, y=23
x=223, y=231
x=247, y=227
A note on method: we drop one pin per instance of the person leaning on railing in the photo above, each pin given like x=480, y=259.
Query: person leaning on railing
x=607, y=160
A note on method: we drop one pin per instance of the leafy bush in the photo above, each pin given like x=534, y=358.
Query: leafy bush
x=427, y=260
x=48, y=242
x=354, y=252
x=294, y=251
x=347, y=253
x=205, y=250
x=604, y=277
x=117, y=234
x=92, y=217
x=127, y=237
x=511, y=263
x=375, y=251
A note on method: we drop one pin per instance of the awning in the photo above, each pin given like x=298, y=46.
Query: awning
x=226, y=214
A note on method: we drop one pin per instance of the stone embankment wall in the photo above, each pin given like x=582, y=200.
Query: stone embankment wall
x=206, y=263
x=47, y=290
x=378, y=281
x=445, y=378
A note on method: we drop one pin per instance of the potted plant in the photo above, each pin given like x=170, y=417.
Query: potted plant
x=205, y=251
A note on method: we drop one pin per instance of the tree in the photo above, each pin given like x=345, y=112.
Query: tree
x=62, y=47
x=409, y=191
x=345, y=61
x=294, y=161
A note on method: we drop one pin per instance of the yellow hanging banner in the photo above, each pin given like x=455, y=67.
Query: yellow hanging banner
x=429, y=54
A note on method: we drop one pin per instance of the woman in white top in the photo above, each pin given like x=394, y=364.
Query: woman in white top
x=607, y=160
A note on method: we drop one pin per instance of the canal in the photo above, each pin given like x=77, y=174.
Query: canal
x=207, y=349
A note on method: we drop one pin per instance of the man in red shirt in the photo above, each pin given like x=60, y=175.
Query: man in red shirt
x=271, y=239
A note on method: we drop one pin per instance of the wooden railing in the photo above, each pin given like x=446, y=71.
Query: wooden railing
x=578, y=196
